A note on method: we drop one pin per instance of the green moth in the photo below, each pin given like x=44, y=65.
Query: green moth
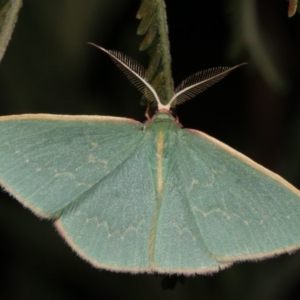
x=150, y=197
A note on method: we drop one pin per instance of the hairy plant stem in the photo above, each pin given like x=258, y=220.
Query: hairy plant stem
x=165, y=50
x=153, y=26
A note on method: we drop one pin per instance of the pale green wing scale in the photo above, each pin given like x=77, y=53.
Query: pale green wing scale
x=48, y=161
x=220, y=201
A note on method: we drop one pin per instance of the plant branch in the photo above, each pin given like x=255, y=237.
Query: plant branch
x=153, y=26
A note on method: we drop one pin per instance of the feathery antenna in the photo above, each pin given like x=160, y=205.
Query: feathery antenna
x=188, y=89
x=134, y=71
x=199, y=82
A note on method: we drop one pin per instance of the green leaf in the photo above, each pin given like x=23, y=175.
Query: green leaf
x=9, y=10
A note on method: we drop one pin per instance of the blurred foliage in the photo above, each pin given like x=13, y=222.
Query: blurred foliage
x=50, y=68
x=292, y=9
x=8, y=16
x=251, y=37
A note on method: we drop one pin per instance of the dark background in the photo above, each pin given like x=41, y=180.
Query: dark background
x=49, y=68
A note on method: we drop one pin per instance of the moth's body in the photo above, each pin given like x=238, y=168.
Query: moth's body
x=163, y=131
